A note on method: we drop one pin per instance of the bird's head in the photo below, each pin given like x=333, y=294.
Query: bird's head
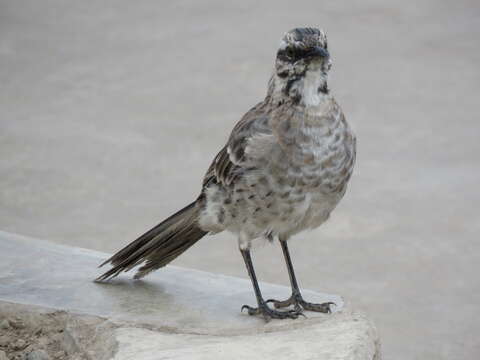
x=302, y=61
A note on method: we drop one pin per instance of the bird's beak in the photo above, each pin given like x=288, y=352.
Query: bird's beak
x=318, y=51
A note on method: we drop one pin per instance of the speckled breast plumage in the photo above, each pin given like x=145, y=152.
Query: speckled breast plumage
x=284, y=171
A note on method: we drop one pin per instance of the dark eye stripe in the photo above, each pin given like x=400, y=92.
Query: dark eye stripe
x=292, y=54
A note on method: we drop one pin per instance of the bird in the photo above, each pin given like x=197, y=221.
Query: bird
x=284, y=168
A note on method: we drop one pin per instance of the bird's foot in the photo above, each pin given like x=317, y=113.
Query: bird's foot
x=268, y=313
x=299, y=304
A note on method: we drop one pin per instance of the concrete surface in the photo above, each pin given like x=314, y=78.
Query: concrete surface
x=181, y=300
x=176, y=314
x=111, y=111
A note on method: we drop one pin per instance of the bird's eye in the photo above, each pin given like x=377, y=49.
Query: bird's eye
x=290, y=52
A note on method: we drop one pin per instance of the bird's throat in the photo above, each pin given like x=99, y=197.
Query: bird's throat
x=312, y=87
x=308, y=89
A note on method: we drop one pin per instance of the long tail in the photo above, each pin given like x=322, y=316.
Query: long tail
x=158, y=246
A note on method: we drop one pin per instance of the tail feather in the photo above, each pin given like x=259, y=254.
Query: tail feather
x=158, y=246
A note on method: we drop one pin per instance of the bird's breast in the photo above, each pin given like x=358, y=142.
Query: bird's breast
x=320, y=150
x=295, y=183
x=318, y=155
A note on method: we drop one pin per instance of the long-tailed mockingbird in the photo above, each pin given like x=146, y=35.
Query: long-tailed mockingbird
x=283, y=170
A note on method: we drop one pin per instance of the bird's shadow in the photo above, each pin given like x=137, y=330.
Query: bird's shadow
x=134, y=296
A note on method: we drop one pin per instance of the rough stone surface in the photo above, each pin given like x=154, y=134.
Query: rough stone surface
x=3, y=356
x=176, y=313
x=38, y=355
x=59, y=334
x=4, y=324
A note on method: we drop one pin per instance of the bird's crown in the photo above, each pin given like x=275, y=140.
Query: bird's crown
x=303, y=42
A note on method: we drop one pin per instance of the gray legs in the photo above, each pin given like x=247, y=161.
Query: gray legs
x=296, y=298
x=263, y=309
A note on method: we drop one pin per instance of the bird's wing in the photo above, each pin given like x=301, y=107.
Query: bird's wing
x=232, y=161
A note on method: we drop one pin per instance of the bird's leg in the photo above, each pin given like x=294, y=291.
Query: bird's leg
x=296, y=299
x=263, y=309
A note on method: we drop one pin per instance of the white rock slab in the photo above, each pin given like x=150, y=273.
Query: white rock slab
x=177, y=313
x=343, y=336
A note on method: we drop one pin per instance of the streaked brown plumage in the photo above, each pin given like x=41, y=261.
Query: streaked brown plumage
x=284, y=169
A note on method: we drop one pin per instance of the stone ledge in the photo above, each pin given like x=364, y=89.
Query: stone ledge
x=175, y=313
x=54, y=334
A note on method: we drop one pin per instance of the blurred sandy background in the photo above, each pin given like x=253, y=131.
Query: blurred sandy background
x=111, y=111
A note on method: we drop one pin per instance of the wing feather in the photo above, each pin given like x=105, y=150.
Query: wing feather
x=231, y=162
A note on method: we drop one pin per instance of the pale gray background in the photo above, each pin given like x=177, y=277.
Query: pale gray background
x=111, y=111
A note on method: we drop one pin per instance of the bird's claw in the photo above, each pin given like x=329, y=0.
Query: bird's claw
x=299, y=303
x=268, y=313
